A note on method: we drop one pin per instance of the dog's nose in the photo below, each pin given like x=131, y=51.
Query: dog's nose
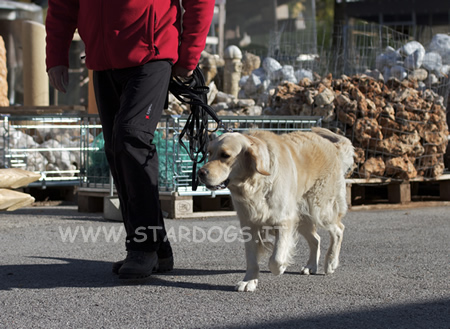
x=203, y=172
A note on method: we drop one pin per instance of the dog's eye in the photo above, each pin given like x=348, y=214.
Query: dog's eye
x=224, y=155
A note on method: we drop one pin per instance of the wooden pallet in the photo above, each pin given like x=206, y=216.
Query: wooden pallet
x=91, y=199
x=202, y=206
x=172, y=204
x=363, y=191
x=359, y=192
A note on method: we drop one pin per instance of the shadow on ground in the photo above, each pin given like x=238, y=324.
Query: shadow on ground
x=433, y=314
x=67, y=272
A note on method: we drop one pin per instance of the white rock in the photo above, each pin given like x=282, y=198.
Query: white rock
x=376, y=74
x=387, y=59
x=19, y=139
x=56, y=157
x=220, y=106
x=303, y=73
x=432, y=79
x=222, y=97
x=251, y=85
x=392, y=57
x=232, y=52
x=419, y=75
x=432, y=61
x=254, y=110
x=411, y=47
x=441, y=45
x=445, y=69
x=245, y=102
x=36, y=162
x=414, y=61
x=270, y=66
x=287, y=73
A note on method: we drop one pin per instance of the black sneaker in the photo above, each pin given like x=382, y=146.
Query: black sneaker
x=164, y=265
x=138, y=265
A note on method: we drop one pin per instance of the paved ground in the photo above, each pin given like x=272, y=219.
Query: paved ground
x=394, y=273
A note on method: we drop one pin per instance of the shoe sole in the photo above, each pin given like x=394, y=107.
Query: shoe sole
x=164, y=265
x=132, y=276
x=124, y=275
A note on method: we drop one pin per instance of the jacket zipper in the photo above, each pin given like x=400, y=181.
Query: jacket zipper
x=153, y=21
x=103, y=34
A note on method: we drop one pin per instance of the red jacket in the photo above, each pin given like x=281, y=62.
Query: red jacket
x=125, y=33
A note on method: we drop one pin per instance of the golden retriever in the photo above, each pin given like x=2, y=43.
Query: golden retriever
x=291, y=183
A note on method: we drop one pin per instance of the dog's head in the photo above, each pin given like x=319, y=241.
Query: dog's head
x=232, y=158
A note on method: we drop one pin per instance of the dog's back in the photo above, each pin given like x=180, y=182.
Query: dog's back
x=343, y=144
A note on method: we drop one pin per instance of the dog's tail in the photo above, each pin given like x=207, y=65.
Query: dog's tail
x=343, y=144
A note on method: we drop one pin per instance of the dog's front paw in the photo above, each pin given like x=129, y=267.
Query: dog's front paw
x=307, y=270
x=276, y=268
x=247, y=285
x=329, y=270
x=330, y=267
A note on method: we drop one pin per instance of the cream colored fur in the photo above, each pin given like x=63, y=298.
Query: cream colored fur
x=292, y=183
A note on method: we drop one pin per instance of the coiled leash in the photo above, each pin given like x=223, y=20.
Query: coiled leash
x=194, y=92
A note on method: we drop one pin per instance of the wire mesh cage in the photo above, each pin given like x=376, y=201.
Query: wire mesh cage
x=355, y=47
x=381, y=95
x=345, y=48
x=175, y=165
x=48, y=145
x=398, y=131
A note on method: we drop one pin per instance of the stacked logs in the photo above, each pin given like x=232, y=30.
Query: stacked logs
x=398, y=131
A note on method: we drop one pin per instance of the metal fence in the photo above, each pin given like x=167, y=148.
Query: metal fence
x=175, y=166
x=68, y=149
x=46, y=144
x=346, y=48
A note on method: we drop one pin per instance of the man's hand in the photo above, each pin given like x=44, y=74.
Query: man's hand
x=59, y=77
x=181, y=72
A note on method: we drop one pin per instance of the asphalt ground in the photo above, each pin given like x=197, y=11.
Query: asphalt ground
x=394, y=273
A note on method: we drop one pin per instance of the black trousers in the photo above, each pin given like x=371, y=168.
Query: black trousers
x=130, y=103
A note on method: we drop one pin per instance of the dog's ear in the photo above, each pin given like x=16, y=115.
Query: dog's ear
x=259, y=155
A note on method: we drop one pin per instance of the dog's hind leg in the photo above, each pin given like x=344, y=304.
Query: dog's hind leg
x=332, y=257
x=252, y=251
x=285, y=241
x=308, y=230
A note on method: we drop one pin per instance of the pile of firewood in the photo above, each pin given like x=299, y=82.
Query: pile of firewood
x=398, y=131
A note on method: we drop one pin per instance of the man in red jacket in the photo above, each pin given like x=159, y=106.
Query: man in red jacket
x=133, y=47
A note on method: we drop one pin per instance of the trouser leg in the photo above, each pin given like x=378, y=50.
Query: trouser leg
x=130, y=103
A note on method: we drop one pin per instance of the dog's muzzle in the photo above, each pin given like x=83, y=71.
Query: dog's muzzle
x=203, y=176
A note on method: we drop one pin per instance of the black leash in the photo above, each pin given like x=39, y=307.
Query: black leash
x=194, y=92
